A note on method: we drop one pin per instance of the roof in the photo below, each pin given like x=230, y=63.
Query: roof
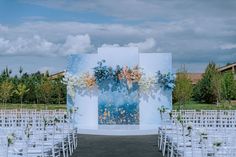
x=56, y=75
x=227, y=67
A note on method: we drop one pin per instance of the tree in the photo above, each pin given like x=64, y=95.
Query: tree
x=183, y=88
x=216, y=87
x=21, y=90
x=46, y=90
x=6, y=88
x=58, y=87
x=228, y=86
x=35, y=85
x=208, y=87
x=20, y=70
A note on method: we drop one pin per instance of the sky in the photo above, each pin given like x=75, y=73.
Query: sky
x=40, y=34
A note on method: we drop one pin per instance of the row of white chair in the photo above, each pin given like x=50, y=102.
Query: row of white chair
x=198, y=134
x=36, y=133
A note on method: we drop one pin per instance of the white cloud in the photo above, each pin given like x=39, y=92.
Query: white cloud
x=189, y=40
x=76, y=44
x=47, y=68
x=228, y=46
x=32, y=46
x=4, y=44
x=37, y=45
x=110, y=45
x=145, y=46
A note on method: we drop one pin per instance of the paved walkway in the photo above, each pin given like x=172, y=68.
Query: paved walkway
x=117, y=146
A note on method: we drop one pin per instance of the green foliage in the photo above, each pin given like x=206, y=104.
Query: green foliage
x=183, y=88
x=208, y=89
x=32, y=88
x=192, y=105
x=20, y=90
x=228, y=86
x=6, y=88
x=46, y=90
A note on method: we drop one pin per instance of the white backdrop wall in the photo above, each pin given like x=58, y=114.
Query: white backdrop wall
x=149, y=113
x=87, y=115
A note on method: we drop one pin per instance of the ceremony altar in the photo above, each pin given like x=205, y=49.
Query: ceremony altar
x=119, y=91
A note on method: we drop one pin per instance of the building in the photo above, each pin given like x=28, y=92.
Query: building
x=229, y=67
x=57, y=75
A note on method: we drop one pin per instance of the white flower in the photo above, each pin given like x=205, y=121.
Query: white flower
x=217, y=143
x=10, y=139
x=189, y=126
x=146, y=84
x=202, y=131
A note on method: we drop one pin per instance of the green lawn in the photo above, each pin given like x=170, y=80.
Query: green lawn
x=201, y=106
x=33, y=106
x=188, y=106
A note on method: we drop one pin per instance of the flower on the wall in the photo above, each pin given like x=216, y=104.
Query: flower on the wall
x=146, y=84
x=108, y=78
x=166, y=81
x=89, y=80
x=129, y=75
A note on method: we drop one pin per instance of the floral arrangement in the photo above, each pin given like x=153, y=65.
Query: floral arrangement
x=107, y=78
x=147, y=84
x=45, y=123
x=71, y=82
x=28, y=130
x=166, y=81
x=162, y=110
x=217, y=143
x=10, y=139
x=189, y=128
x=203, y=135
x=203, y=132
x=124, y=76
x=179, y=118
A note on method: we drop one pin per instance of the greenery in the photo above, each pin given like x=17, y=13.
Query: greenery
x=39, y=91
x=35, y=88
x=21, y=91
x=34, y=106
x=228, y=86
x=183, y=88
x=215, y=87
x=208, y=88
x=6, y=88
x=193, y=105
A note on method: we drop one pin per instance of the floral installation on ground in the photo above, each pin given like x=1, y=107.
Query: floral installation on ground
x=11, y=139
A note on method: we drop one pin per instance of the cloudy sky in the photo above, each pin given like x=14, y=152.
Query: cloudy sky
x=39, y=34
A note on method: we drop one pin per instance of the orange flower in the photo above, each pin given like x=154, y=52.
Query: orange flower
x=89, y=80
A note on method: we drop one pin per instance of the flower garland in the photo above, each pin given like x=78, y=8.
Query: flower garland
x=147, y=84
x=118, y=77
x=107, y=78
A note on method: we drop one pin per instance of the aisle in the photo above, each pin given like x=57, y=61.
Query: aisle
x=117, y=146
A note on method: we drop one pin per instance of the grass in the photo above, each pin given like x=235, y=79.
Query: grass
x=34, y=106
x=189, y=106
x=201, y=106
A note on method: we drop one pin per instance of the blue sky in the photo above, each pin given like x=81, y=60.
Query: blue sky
x=39, y=34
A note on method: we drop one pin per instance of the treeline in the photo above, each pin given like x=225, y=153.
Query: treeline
x=34, y=88
x=214, y=87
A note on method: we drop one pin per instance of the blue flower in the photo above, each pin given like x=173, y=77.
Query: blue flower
x=166, y=81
